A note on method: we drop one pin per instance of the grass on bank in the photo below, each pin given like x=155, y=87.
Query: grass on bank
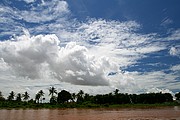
x=24, y=105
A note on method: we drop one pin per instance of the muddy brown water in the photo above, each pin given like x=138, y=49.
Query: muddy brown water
x=167, y=113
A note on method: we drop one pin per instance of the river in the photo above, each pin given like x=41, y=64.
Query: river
x=166, y=113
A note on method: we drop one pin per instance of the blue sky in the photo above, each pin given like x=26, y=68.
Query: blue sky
x=148, y=13
x=94, y=45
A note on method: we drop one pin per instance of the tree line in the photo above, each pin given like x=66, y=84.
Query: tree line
x=115, y=97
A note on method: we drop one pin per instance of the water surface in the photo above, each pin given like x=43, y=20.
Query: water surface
x=167, y=113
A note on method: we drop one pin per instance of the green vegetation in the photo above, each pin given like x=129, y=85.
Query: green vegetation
x=65, y=99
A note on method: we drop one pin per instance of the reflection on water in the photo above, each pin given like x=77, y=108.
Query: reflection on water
x=170, y=113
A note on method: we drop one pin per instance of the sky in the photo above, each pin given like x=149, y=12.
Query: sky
x=94, y=45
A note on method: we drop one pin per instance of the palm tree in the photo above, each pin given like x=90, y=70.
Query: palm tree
x=37, y=97
x=26, y=96
x=1, y=94
x=1, y=97
x=18, y=97
x=52, y=91
x=80, y=96
x=73, y=96
x=11, y=95
x=80, y=93
x=116, y=92
x=41, y=93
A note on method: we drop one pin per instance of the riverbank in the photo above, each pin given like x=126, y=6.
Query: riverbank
x=26, y=105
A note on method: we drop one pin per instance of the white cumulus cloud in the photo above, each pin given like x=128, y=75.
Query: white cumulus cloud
x=30, y=57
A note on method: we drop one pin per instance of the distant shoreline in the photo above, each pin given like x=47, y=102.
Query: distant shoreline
x=24, y=105
x=65, y=99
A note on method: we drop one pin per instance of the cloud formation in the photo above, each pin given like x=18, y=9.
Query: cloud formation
x=175, y=51
x=31, y=57
x=37, y=13
x=95, y=52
